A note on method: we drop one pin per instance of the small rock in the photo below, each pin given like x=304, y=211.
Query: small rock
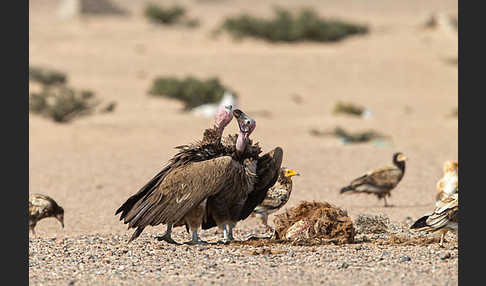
x=343, y=265
x=405, y=259
x=446, y=256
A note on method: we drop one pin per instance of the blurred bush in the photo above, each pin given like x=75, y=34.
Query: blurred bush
x=348, y=108
x=192, y=91
x=169, y=16
x=62, y=103
x=46, y=76
x=287, y=27
x=350, y=137
x=58, y=101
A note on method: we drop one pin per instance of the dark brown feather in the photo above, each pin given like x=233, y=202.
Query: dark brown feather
x=267, y=170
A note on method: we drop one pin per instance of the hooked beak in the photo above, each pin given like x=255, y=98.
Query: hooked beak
x=61, y=220
x=245, y=122
x=291, y=173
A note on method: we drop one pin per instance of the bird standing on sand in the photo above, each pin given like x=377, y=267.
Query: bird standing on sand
x=449, y=183
x=42, y=206
x=379, y=182
x=277, y=196
x=442, y=219
x=208, y=148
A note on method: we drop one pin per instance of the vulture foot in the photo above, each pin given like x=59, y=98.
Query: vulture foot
x=167, y=238
x=196, y=242
x=195, y=239
x=225, y=241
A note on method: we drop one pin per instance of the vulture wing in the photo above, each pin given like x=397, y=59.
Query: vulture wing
x=445, y=212
x=268, y=168
x=182, y=189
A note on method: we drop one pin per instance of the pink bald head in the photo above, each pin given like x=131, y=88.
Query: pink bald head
x=223, y=117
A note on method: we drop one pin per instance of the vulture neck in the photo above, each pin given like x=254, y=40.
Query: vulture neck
x=241, y=143
x=219, y=130
x=400, y=165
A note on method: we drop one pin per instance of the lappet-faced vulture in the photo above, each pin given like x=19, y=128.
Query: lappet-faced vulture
x=137, y=206
x=231, y=205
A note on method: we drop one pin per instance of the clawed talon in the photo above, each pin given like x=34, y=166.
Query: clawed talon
x=226, y=241
x=166, y=238
x=197, y=242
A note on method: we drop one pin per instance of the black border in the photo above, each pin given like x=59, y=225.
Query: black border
x=15, y=139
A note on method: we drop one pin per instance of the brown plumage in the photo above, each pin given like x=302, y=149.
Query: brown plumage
x=180, y=190
x=449, y=183
x=42, y=206
x=277, y=196
x=379, y=182
x=226, y=209
x=444, y=218
x=209, y=147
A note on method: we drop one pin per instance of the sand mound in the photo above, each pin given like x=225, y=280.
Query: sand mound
x=314, y=223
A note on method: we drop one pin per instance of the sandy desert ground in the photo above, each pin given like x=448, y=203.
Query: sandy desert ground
x=90, y=166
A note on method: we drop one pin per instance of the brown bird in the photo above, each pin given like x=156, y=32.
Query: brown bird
x=42, y=206
x=449, y=183
x=209, y=147
x=230, y=206
x=277, y=196
x=444, y=218
x=379, y=182
x=173, y=194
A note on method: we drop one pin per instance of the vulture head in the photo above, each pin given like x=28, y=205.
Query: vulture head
x=399, y=160
x=399, y=157
x=289, y=173
x=247, y=125
x=223, y=117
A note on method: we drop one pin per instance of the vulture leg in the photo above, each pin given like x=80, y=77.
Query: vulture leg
x=229, y=233
x=441, y=243
x=167, y=236
x=386, y=205
x=264, y=218
x=195, y=239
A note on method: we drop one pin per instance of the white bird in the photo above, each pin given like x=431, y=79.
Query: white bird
x=209, y=110
x=449, y=183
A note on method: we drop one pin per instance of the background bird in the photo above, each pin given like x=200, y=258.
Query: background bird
x=277, y=196
x=379, y=182
x=449, y=183
x=42, y=206
x=444, y=218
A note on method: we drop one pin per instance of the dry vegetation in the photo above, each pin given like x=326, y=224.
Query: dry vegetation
x=287, y=26
x=190, y=90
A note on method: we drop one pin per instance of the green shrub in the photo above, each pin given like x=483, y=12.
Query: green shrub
x=288, y=27
x=62, y=103
x=169, y=16
x=350, y=137
x=193, y=92
x=46, y=76
x=348, y=108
